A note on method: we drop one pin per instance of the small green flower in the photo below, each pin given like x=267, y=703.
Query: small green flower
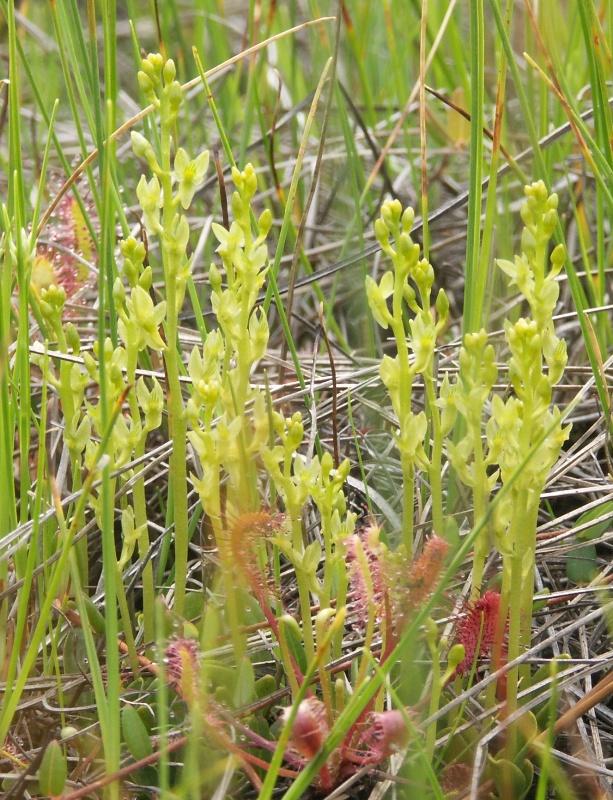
x=150, y=77
x=151, y=403
x=178, y=237
x=229, y=241
x=447, y=402
x=246, y=182
x=73, y=339
x=258, y=334
x=174, y=93
x=227, y=310
x=149, y=195
x=422, y=342
x=377, y=295
x=412, y=435
x=77, y=435
x=389, y=370
x=148, y=316
x=189, y=175
x=169, y=71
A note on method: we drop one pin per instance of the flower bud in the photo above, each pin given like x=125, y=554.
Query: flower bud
x=146, y=279
x=408, y=218
x=442, y=305
x=265, y=223
x=169, y=71
x=145, y=83
x=382, y=233
x=119, y=292
x=390, y=214
x=143, y=149
x=72, y=338
x=175, y=98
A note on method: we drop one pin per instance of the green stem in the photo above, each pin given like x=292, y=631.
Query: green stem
x=304, y=594
x=140, y=511
x=408, y=503
x=177, y=423
x=71, y=421
x=514, y=594
x=126, y=620
x=522, y=534
x=326, y=592
x=226, y=559
x=529, y=560
x=404, y=407
x=480, y=483
x=436, y=459
x=435, y=696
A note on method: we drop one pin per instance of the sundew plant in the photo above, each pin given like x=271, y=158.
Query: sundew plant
x=305, y=352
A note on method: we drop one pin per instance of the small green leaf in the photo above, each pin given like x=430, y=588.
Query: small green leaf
x=291, y=633
x=265, y=686
x=581, y=566
x=96, y=620
x=135, y=734
x=210, y=626
x=245, y=684
x=509, y=779
x=540, y=601
x=53, y=770
x=597, y=530
x=220, y=676
x=528, y=731
x=75, y=652
x=194, y=606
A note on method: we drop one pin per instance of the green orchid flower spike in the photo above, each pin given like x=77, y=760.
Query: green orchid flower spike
x=408, y=287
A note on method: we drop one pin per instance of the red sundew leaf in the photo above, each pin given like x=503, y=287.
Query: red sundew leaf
x=365, y=571
x=385, y=733
x=426, y=570
x=67, y=248
x=411, y=584
x=244, y=536
x=477, y=630
x=181, y=658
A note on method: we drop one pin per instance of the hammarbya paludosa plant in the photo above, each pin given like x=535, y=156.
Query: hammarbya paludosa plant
x=164, y=199
x=225, y=434
x=138, y=329
x=525, y=430
x=523, y=438
x=231, y=427
x=523, y=434
x=415, y=345
x=515, y=426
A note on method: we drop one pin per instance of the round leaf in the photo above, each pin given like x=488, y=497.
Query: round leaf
x=53, y=770
x=135, y=734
